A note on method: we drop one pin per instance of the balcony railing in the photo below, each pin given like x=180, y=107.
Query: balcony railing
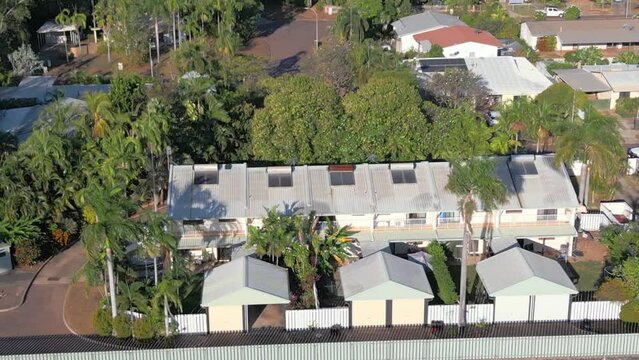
x=532, y=220
x=408, y=224
x=212, y=229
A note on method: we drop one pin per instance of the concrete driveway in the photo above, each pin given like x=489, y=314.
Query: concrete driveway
x=42, y=311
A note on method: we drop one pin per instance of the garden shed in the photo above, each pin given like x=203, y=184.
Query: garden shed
x=526, y=286
x=384, y=290
x=230, y=289
x=5, y=258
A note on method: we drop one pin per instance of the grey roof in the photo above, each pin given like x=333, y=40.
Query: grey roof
x=550, y=188
x=243, y=192
x=424, y=22
x=42, y=88
x=622, y=80
x=19, y=121
x=246, y=281
x=383, y=276
x=422, y=258
x=502, y=244
x=507, y=75
x=580, y=79
x=518, y=272
x=588, y=31
x=52, y=26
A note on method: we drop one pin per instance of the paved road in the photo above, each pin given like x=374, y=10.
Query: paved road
x=41, y=313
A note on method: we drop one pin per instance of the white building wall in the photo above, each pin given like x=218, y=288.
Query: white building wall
x=470, y=50
x=552, y=307
x=408, y=43
x=355, y=221
x=511, y=308
x=527, y=36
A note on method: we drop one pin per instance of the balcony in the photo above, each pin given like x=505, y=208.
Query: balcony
x=212, y=229
x=532, y=220
x=399, y=225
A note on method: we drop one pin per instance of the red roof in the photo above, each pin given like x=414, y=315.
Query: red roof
x=458, y=34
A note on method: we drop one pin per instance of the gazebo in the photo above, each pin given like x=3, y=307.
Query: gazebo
x=51, y=33
x=384, y=290
x=231, y=288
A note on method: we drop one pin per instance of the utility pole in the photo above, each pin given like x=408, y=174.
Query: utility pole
x=151, y=59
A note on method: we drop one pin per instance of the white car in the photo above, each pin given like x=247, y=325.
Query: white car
x=552, y=11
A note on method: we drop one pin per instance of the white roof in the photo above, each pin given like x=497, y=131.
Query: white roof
x=423, y=22
x=518, y=272
x=507, y=75
x=246, y=281
x=51, y=26
x=244, y=192
x=383, y=276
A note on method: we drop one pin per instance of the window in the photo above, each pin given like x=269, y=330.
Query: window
x=546, y=214
x=205, y=177
x=417, y=216
x=524, y=167
x=513, y=211
x=624, y=95
x=448, y=217
x=404, y=176
x=339, y=178
x=280, y=180
x=227, y=220
x=192, y=222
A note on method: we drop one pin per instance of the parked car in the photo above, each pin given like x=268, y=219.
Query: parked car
x=552, y=11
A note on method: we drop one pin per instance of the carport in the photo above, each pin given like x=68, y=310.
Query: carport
x=384, y=290
x=230, y=289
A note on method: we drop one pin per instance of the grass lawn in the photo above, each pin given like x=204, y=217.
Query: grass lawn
x=589, y=273
x=472, y=275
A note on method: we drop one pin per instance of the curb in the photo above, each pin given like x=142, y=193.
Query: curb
x=26, y=291
x=64, y=312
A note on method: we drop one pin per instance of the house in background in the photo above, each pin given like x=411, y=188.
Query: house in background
x=526, y=286
x=607, y=83
x=506, y=77
x=384, y=290
x=406, y=27
x=230, y=290
x=459, y=41
x=572, y=35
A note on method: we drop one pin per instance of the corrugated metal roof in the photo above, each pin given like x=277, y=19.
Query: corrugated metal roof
x=373, y=192
x=424, y=22
x=622, y=80
x=246, y=281
x=528, y=274
x=580, y=79
x=550, y=188
x=383, y=276
x=507, y=75
x=588, y=31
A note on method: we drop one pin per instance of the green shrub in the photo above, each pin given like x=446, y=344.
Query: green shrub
x=17, y=103
x=547, y=43
x=630, y=312
x=551, y=67
x=613, y=290
x=27, y=252
x=122, y=327
x=143, y=329
x=128, y=92
x=445, y=285
x=103, y=322
x=539, y=16
x=572, y=13
x=627, y=107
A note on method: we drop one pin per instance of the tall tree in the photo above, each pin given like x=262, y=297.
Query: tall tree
x=301, y=119
x=100, y=113
x=386, y=122
x=349, y=25
x=64, y=19
x=108, y=229
x=155, y=8
x=331, y=63
x=474, y=181
x=457, y=132
x=456, y=87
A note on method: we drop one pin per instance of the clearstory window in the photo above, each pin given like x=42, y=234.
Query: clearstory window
x=341, y=175
x=524, y=167
x=403, y=176
x=546, y=214
x=447, y=217
x=205, y=177
x=280, y=179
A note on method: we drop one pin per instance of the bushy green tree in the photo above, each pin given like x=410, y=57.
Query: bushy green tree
x=630, y=312
x=627, y=57
x=103, y=322
x=586, y=56
x=128, y=93
x=386, y=122
x=302, y=119
x=445, y=285
x=457, y=132
x=457, y=88
x=613, y=290
x=572, y=13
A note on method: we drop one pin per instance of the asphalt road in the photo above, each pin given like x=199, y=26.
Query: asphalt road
x=42, y=311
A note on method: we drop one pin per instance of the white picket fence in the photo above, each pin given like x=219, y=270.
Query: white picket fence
x=595, y=310
x=449, y=314
x=190, y=323
x=316, y=318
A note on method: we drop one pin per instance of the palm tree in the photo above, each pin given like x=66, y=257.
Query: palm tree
x=131, y=297
x=103, y=13
x=63, y=19
x=350, y=25
x=157, y=241
x=274, y=237
x=173, y=6
x=155, y=7
x=79, y=21
x=473, y=181
x=100, y=112
x=167, y=291
x=596, y=142
x=108, y=229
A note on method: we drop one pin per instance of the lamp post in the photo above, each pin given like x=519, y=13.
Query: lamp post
x=310, y=7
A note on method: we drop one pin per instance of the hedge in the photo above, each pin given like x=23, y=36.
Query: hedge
x=102, y=322
x=445, y=285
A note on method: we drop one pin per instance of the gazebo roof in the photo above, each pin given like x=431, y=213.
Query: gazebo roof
x=50, y=26
x=246, y=281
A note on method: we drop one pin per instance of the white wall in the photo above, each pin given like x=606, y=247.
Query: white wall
x=226, y=318
x=511, y=308
x=469, y=50
x=408, y=43
x=316, y=318
x=408, y=311
x=368, y=313
x=551, y=307
x=527, y=36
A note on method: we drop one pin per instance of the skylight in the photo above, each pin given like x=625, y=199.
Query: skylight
x=280, y=179
x=404, y=176
x=339, y=178
x=205, y=177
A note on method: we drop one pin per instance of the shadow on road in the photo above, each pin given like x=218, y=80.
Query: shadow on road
x=287, y=65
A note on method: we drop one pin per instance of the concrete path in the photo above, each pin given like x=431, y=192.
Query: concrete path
x=41, y=313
